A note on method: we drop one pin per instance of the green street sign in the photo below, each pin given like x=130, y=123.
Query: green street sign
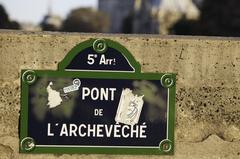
x=97, y=102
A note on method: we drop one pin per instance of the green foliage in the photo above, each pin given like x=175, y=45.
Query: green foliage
x=157, y=107
x=86, y=20
x=5, y=23
x=218, y=18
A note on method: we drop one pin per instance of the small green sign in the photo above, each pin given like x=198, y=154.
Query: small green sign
x=98, y=101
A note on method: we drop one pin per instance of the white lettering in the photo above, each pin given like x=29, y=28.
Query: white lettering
x=49, y=131
x=116, y=131
x=134, y=132
x=142, y=131
x=108, y=130
x=80, y=130
x=98, y=93
x=91, y=130
x=72, y=130
x=123, y=131
x=85, y=92
x=99, y=130
x=95, y=93
x=112, y=93
x=64, y=130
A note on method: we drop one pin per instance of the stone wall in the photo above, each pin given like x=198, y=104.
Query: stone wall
x=208, y=87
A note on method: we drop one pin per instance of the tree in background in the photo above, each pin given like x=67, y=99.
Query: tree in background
x=5, y=23
x=218, y=18
x=127, y=26
x=3, y=17
x=86, y=20
x=222, y=17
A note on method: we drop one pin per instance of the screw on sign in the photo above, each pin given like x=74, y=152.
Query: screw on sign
x=167, y=80
x=29, y=77
x=166, y=146
x=27, y=144
x=100, y=46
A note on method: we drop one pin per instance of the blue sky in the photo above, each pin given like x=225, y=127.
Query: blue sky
x=34, y=10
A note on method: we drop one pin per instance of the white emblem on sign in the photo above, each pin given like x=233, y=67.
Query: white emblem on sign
x=129, y=108
x=74, y=87
x=54, y=98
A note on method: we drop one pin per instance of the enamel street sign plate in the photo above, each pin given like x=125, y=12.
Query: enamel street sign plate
x=98, y=101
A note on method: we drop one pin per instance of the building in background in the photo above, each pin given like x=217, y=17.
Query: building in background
x=147, y=16
x=128, y=16
x=118, y=11
x=143, y=21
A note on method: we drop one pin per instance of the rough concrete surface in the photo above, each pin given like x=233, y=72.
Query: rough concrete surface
x=208, y=86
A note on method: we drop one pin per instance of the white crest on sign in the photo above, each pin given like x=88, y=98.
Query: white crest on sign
x=129, y=108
